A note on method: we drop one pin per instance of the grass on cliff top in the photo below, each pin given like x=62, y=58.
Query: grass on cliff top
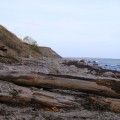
x=14, y=45
x=16, y=48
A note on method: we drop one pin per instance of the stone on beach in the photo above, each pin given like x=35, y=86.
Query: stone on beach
x=109, y=74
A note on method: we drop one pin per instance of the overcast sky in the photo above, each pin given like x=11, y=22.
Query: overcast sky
x=73, y=28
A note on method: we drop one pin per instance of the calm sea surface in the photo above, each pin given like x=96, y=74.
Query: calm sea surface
x=113, y=64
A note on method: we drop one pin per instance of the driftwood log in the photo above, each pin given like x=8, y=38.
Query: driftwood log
x=41, y=98
x=107, y=87
x=23, y=95
x=100, y=86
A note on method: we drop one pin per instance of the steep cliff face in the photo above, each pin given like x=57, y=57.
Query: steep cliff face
x=17, y=48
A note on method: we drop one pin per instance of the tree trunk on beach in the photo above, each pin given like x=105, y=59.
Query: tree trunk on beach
x=106, y=87
x=99, y=86
x=41, y=97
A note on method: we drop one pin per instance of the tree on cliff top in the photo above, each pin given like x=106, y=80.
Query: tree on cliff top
x=30, y=41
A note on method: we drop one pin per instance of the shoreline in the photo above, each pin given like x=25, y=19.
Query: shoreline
x=84, y=107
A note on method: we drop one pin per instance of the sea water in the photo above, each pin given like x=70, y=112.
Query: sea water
x=112, y=64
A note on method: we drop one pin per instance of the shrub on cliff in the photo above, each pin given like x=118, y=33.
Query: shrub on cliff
x=32, y=43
